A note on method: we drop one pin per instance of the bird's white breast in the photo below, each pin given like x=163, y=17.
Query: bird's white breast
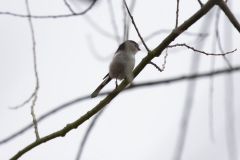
x=122, y=65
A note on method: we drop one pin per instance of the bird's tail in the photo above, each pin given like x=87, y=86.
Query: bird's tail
x=100, y=87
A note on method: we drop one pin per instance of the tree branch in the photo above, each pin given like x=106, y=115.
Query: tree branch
x=176, y=32
x=201, y=4
x=229, y=14
x=69, y=7
x=72, y=102
x=156, y=52
x=34, y=95
x=135, y=26
x=218, y=38
x=176, y=25
x=112, y=16
x=51, y=16
x=208, y=54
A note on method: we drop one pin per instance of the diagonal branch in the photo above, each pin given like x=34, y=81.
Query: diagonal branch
x=79, y=154
x=201, y=4
x=156, y=52
x=164, y=63
x=229, y=14
x=69, y=7
x=135, y=26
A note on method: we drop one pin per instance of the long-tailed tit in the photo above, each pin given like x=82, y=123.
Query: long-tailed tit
x=121, y=65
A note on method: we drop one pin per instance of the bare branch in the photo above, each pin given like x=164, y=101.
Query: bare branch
x=177, y=14
x=218, y=38
x=229, y=14
x=36, y=73
x=211, y=90
x=145, y=84
x=95, y=52
x=135, y=26
x=154, y=53
x=126, y=20
x=69, y=7
x=163, y=65
x=208, y=54
x=155, y=33
x=98, y=28
x=112, y=15
x=87, y=134
x=25, y=102
x=201, y=4
x=165, y=60
x=158, y=68
x=51, y=16
x=183, y=27
x=125, y=33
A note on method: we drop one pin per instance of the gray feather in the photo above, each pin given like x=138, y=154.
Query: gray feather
x=100, y=87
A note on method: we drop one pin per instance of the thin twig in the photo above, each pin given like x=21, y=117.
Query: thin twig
x=95, y=51
x=211, y=91
x=85, y=137
x=201, y=4
x=97, y=27
x=36, y=73
x=165, y=60
x=177, y=14
x=208, y=54
x=51, y=16
x=135, y=86
x=164, y=63
x=25, y=102
x=94, y=24
x=135, y=26
x=112, y=16
x=158, y=68
x=69, y=7
x=156, y=52
x=218, y=38
x=124, y=23
x=155, y=33
x=126, y=19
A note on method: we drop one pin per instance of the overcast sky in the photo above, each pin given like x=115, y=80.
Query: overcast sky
x=73, y=57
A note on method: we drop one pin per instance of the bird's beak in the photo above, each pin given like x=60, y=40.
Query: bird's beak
x=139, y=49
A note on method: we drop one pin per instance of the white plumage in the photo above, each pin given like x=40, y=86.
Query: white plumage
x=121, y=65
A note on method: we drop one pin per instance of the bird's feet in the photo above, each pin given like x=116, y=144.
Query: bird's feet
x=116, y=83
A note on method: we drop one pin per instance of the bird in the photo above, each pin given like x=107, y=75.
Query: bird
x=121, y=65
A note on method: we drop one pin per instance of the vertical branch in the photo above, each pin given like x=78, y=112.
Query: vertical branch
x=177, y=14
x=218, y=38
x=36, y=73
x=211, y=90
x=112, y=15
x=229, y=94
x=190, y=95
x=124, y=24
x=128, y=19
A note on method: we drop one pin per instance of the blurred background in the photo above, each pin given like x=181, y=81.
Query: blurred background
x=188, y=119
